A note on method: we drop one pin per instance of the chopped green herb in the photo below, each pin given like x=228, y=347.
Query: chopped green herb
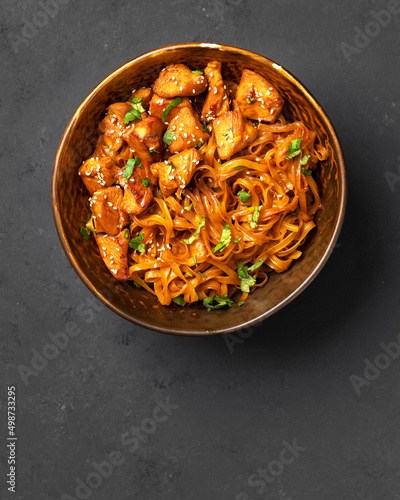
x=190, y=240
x=256, y=265
x=198, y=72
x=255, y=125
x=239, y=167
x=195, y=260
x=229, y=133
x=131, y=115
x=244, y=196
x=137, y=243
x=205, y=127
x=250, y=100
x=237, y=239
x=146, y=182
x=117, y=182
x=188, y=274
x=220, y=302
x=112, y=112
x=136, y=100
x=246, y=281
x=171, y=105
x=152, y=152
x=306, y=171
x=179, y=300
x=225, y=239
x=240, y=303
x=126, y=233
x=169, y=136
x=130, y=165
x=294, y=213
x=255, y=217
x=189, y=207
x=202, y=274
x=199, y=144
x=84, y=233
x=294, y=149
x=136, y=284
x=304, y=160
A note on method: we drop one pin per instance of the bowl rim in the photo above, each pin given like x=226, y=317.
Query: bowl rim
x=261, y=317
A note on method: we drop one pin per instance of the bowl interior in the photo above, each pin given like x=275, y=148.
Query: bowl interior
x=70, y=198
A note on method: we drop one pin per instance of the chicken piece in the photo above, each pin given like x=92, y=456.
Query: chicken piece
x=158, y=104
x=145, y=94
x=113, y=125
x=177, y=171
x=106, y=207
x=137, y=191
x=217, y=102
x=233, y=133
x=97, y=173
x=257, y=98
x=114, y=251
x=188, y=131
x=145, y=138
x=178, y=80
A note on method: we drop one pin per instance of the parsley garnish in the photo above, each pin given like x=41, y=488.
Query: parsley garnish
x=126, y=233
x=131, y=115
x=112, y=112
x=294, y=213
x=146, y=182
x=189, y=207
x=199, y=144
x=256, y=265
x=240, y=303
x=179, y=300
x=229, y=133
x=84, y=233
x=136, y=284
x=225, y=239
x=130, y=165
x=304, y=160
x=171, y=105
x=169, y=136
x=195, y=260
x=239, y=167
x=243, y=196
x=152, y=152
x=220, y=302
x=306, y=171
x=198, y=72
x=205, y=127
x=136, y=100
x=250, y=100
x=294, y=149
x=202, y=274
x=237, y=239
x=246, y=281
x=136, y=244
x=255, y=217
x=190, y=240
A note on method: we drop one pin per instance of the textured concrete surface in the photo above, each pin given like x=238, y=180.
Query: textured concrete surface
x=124, y=413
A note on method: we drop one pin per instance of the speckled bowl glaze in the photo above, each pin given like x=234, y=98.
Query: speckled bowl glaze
x=70, y=198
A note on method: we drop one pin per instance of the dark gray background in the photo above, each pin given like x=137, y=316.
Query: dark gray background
x=290, y=378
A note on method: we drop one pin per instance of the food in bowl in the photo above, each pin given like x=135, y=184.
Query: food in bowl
x=200, y=187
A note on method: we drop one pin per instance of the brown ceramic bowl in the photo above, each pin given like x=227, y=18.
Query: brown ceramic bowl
x=70, y=198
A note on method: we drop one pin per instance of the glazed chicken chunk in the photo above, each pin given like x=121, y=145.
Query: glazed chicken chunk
x=217, y=102
x=114, y=252
x=106, y=208
x=158, y=105
x=177, y=80
x=137, y=191
x=258, y=99
x=177, y=171
x=98, y=173
x=233, y=133
x=187, y=129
